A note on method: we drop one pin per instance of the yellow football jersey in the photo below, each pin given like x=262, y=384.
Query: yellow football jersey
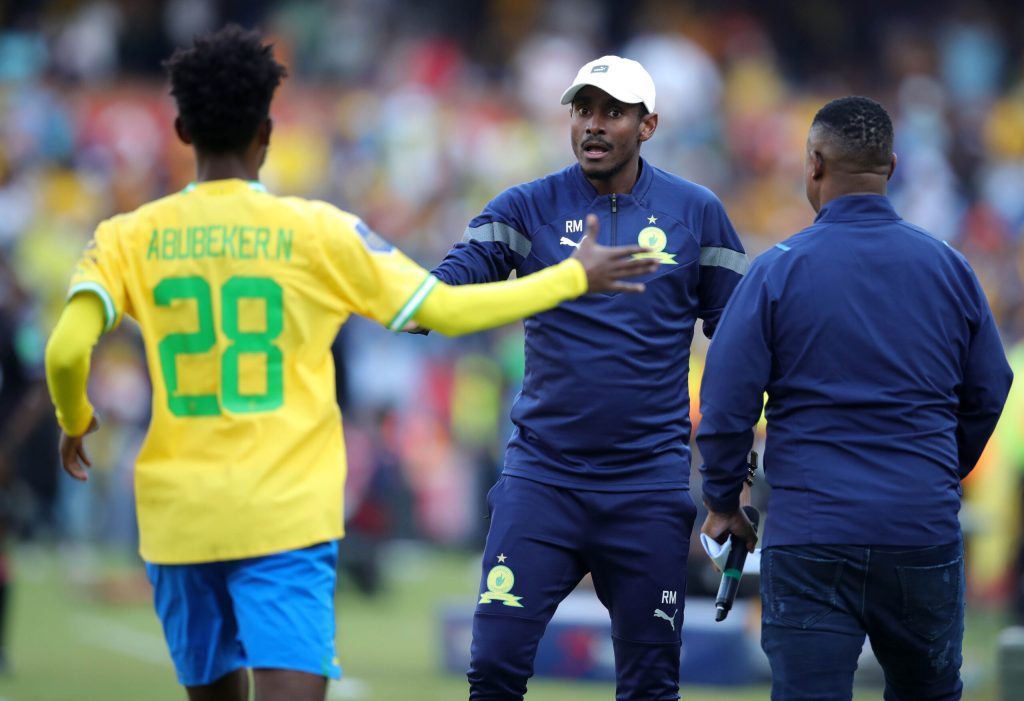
x=239, y=295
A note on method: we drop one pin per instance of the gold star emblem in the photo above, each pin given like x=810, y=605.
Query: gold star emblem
x=652, y=219
x=501, y=557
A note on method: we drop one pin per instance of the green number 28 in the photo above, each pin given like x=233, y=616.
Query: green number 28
x=205, y=338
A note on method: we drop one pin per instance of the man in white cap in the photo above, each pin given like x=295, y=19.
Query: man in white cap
x=596, y=476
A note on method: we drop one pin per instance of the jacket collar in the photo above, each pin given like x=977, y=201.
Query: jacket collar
x=857, y=208
x=639, y=191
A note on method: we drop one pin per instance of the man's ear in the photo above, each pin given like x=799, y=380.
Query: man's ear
x=263, y=134
x=648, y=123
x=817, y=162
x=182, y=132
x=892, y=167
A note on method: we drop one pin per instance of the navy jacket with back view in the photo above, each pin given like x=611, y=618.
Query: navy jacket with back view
x=605, y=402
x=885, y=376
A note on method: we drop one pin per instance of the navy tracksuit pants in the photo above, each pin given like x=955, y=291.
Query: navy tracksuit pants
x=543, y=539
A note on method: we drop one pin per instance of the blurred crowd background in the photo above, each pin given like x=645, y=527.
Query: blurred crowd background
x=415, y=114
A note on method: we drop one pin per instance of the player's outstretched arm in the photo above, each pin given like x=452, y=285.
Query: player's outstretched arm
x=468, y=308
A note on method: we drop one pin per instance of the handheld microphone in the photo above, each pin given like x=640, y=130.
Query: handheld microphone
x=733, y=569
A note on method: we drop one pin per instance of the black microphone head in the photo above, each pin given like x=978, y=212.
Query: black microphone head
x=753, y=515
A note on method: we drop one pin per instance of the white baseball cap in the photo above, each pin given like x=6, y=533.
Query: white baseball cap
x=622, y=78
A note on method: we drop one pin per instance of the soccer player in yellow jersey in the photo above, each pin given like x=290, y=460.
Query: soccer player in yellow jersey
x=239, y=294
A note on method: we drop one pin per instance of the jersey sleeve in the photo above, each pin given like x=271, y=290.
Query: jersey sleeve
x=100, y=272
x=723, y=263
x=457, y=310
x=67, y=361
x=371, y=276
x=376, y=280
x=494, y=244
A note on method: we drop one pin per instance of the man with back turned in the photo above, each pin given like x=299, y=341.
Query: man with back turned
x=885, y=377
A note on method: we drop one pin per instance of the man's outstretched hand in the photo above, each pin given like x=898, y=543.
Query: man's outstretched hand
x=608, y=266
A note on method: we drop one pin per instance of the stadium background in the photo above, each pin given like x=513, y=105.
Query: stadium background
x=414, y=114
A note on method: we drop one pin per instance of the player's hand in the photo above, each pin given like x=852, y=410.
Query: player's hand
x=72, y=452
x=608, y=266
x=719, y=526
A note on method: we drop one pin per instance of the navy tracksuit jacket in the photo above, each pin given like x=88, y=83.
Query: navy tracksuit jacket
x=605, y=402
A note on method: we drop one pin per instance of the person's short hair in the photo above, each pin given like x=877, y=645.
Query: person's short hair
x=860, y=128
x=223, y=85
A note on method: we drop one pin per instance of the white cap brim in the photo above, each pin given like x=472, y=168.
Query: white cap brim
x=617, y=91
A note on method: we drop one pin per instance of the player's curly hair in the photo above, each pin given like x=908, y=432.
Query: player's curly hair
x=223, y=85
x=860, y=127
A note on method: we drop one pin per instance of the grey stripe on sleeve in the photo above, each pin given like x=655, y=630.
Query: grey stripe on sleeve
x=718, y=257
x=500, y=233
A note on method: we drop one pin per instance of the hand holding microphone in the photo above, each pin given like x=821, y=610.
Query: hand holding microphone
x=741, y=528
x=734, y=565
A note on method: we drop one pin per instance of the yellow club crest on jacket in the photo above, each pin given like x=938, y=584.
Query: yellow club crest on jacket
x=655, y=239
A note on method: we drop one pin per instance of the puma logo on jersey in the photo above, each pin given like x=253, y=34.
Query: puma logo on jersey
x=569, y=242
x=658, y=613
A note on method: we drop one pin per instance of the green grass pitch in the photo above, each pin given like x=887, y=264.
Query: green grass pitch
x=66, y=644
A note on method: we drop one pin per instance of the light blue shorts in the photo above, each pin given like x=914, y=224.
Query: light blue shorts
x=274, y=611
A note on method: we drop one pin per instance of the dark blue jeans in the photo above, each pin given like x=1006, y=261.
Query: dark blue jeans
x=819, y=602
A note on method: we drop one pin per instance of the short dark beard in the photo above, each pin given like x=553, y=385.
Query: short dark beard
x=604, y=174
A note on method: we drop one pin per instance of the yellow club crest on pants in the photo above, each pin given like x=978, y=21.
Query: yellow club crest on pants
x=500, y=581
